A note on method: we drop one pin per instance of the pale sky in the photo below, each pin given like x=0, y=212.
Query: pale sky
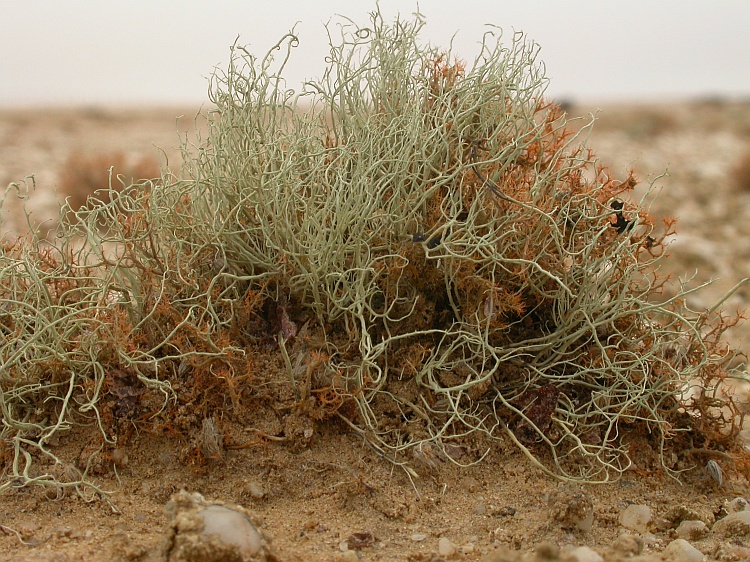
x=112, y=52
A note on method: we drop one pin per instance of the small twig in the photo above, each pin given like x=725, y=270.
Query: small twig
x=8, y=530
x=493, y=188
x=263, y=437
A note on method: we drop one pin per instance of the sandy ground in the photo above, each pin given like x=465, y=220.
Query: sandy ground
x=312, y=500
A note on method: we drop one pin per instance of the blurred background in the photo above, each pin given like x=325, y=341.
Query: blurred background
x=88, y=86
x=88, y=52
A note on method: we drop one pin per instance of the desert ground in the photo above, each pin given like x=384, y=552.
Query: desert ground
x=336, y=499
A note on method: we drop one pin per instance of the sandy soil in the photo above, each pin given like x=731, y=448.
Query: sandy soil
x=314, y=499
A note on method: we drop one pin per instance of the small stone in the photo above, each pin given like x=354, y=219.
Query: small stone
x=446, y=548
x=231, y=527
x=692, y=530
x=678, y=514
x=583, y=554
x=581, y=512
x=63, y=532
x=628, y=544
x=737, y=505
x=125, y=547
x=211, y=531
x=255, y=489
x=360, y=540
x=480, y=509
x=636, y=518
x=735, y=524
x=418, y=537
x=736, y=552
x=572, y=508
x=679, y=550
x=349, y=556
x=585, y=522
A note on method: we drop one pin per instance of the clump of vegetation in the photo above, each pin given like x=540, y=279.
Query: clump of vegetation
x=83, y=175
x=424, y=253
x=742, y=173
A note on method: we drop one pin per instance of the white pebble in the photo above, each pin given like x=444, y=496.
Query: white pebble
x=735, y=524
x=628, y=544
x=692, y=530
x=255, y=489
x=584, y=523
x=584, y=554
x=349, y=556
x=679, y=550
x=418, y=537
x=636, y=518
x=446, y=548
x=737, y=504
x=231, y=527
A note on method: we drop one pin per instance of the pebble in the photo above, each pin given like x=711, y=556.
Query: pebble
x=680, y=550
x=692, y=530
x=585, y=522
x=349, y=556
x=255, y=489
x=64, y=531
x=573, y=508
x=446, y=548
x=734, y=524
x=628, y=544
x=584, y=554
x=581, y=512
x=212, y=531
x=418, y=537
x=737, y=505
x=232, y=528
x=636, y=518
x=736, y=552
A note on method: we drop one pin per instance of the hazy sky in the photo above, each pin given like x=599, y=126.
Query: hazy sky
x=92, y=52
